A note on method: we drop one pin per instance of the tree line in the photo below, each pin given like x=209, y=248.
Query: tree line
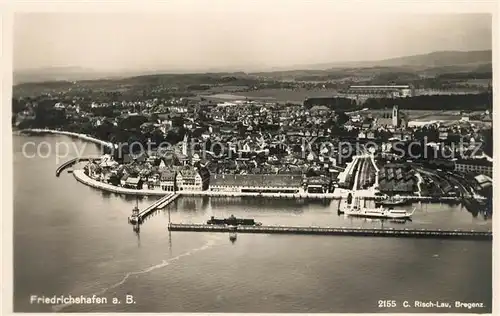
x=470, y=102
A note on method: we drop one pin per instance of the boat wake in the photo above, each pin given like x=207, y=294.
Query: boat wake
x=210, y=243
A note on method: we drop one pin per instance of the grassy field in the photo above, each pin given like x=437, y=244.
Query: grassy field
x=425, y=115
x=433, y=115
x=438, y=115
x=282, y=95
x=412, y=114
x=227, y=89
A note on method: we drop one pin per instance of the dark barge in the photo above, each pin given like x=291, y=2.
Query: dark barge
x=233, y=221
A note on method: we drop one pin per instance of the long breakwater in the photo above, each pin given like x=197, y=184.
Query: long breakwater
x=70, y=134
x=337, y=231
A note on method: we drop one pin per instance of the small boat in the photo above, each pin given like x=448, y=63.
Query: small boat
x=232, y=237
x=233, y=221
x=379, y=212
x=70, y=170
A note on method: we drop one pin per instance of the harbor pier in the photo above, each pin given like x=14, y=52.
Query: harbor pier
x=337, y=231
x=161, y=203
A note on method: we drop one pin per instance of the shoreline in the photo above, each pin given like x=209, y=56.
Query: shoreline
x=81, y=177
x=70, y=134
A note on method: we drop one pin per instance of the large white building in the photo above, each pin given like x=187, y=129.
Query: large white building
x=188, y=179
x=479, y=166
x=359, y=92
x=263, y=183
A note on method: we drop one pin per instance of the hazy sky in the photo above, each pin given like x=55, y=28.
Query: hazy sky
x=199, y=38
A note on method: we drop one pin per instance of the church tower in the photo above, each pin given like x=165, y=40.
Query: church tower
x=185, y=145
x=395, y=116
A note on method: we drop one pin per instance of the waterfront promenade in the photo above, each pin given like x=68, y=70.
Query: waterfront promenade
x=337, y=231
x=304, y=195
x=339, y=194
x=83, y=178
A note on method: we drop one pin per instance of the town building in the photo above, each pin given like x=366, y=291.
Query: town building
x=396, y=178
x=362, y=92
x=317, y=184
x=188, y=179
x=133, y=183
x=483, y=181
x=261, y=183
x=480, y=166
x=167, y=180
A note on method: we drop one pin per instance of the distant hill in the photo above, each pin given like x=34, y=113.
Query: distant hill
x=419, y=62
x=439, y=59
x=54, y=74
x=435, y=62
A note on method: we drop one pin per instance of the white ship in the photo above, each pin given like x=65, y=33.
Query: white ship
x=379, y=212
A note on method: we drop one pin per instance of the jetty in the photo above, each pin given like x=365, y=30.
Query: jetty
x=337, y=231
x=161, y=203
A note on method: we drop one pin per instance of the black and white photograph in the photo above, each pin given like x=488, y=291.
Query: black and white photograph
x=252, y=157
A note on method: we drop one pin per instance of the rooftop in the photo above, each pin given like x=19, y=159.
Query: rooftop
x=167, y=175
x=482, y=179
x=188, y=173
x=131, y=180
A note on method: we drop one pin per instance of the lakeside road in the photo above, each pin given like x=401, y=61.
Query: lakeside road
x=80, y=176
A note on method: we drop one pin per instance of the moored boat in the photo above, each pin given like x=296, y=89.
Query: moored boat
x=233, y=221
x=393, y=200
x=379, y=212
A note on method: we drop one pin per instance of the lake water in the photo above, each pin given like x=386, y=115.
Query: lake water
x=70, y=239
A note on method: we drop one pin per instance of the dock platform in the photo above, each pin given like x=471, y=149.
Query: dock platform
x=338, y=231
